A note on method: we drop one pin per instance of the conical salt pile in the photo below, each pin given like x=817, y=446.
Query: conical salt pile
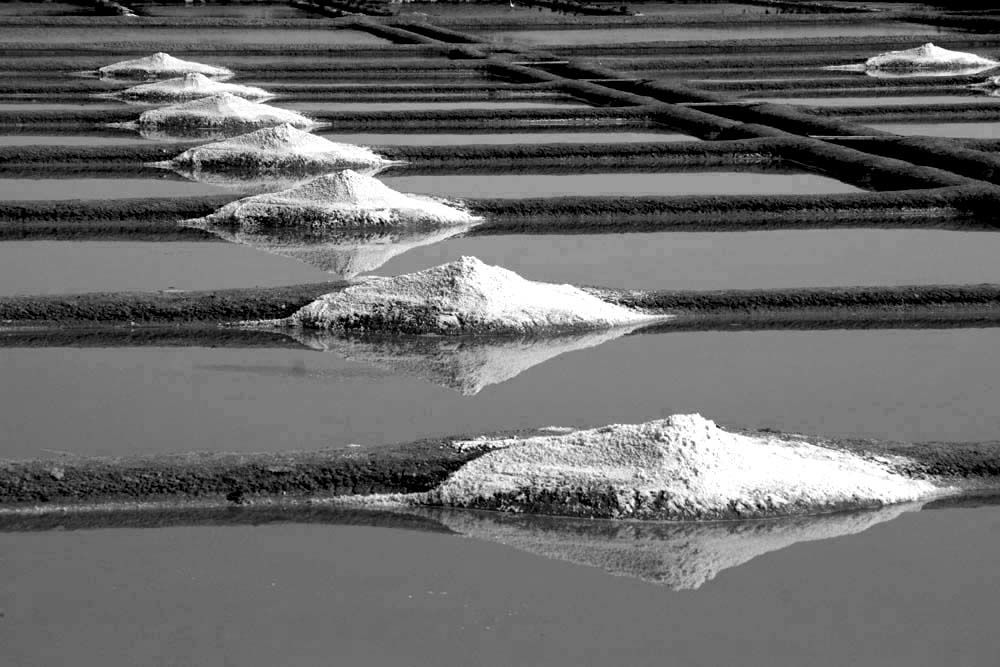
x=190, y=86
x=162, y=65
x=283, y=148
x=927, y=57
x=342, y=199
x=682, y=467
x=223, y=110
x=463, y=297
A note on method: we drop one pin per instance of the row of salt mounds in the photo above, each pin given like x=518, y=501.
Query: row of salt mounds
x=678, y=555
x=161, y=65
x=923, y=60
x=190, y=86
x=683, y=467
x=221, y=111
x=281, y=149
x=343, y=199
x=463, y=297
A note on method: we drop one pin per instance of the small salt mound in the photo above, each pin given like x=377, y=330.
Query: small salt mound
x=343, y=199
x=680, y=556
x=280, y=148
x=682, y=467
x=223, y=110
x=190, y=86
x=162, y=65
x=468, y=365
x=927, y=57
x=342, y=252
x=463, y=297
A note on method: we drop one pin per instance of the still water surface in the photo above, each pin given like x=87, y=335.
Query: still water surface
x=915, y=591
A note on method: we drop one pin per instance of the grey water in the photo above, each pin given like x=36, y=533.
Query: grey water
x=909, y=385
x=52, y=189
x=192, y=36
x=364, y=107
x=989, y=130
x=495, y=138
x=878, y=101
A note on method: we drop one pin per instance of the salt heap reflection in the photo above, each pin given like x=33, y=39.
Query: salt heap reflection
x=681, y=556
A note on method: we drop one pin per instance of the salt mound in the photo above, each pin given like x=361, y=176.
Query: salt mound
x=222, y=110
x=190, y=86
x=465, y=365
x=463, y=297
x=343, y=199
x=681, y=556
x=161, y=65
x=342, y=252
x=682, y=467
x=927, y=57
x=283, y=148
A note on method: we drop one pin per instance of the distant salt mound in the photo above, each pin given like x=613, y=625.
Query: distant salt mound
x=925, y=60
x=280, y=149
x=680, y=556
x=466, y=365
x=190, y=86
x=161, y=65
x=463, y=297
x=344, y=253
x=220, y=111
x=343, y=199
x=683, y=467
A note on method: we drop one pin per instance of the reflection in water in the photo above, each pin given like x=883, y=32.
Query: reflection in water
x=681, y=556
x=466, y=365
x=342, y=252
x=921, y=74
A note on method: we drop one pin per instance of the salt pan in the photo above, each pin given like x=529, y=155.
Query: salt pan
x=162, y=65
x=222, y=110
x=190, y=86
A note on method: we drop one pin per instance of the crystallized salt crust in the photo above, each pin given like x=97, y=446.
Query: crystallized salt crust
x=342, y=199
x=190, y=86
x=162, y=65
x=928, y=57
x=683, y=467
x=282, y=148
x=681, y=556
x=467, y=365
x=222, y=110
x=463, y=297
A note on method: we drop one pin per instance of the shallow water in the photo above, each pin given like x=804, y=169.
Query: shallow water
x=558, y=185
x=954, y=130
x=684, y=34
x=22, y=189
x=154, y=36
x=69, y=140
x=15, y=8
x=877, y=101
x=307, y=107
x=914, y=385
x=913, y=591
x=445, y=139
x=260, y=11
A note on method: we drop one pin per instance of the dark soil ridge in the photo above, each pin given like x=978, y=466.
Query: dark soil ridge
x=236, y=305
x=75, y=484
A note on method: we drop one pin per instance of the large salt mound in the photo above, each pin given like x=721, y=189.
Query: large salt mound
x=282, y=148
x=463, y=297
x=222, y=110
x=681, y=556
x=190, y=86
x=342, y=252
x=927, y=57
x=682, y=467
x=466, y=365
x=343, y=199
x=162, y=65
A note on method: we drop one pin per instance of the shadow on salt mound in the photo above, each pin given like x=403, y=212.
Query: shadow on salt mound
x=161, y=65
x=680, y=556
x=223, y=111
x=680, y=468
x=283, y=149
x=343, y=199
x=465, y=297
x=344, y=253
x=187, y=87
x=924, y=60
x=466, y=365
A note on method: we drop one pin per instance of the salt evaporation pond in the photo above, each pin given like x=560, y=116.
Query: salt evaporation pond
x=188, y=36
x=69, y=140
x=951, y=130
x=727, y=33
x=256, y=11
x=878, y=100
x=616, y=183
x=895, y=384
x=311, y=106
x=51, y=189
x=502, y=138
x=292, y=593
x=18, y=8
